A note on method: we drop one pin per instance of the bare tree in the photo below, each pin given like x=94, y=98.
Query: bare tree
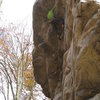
x=15, y=59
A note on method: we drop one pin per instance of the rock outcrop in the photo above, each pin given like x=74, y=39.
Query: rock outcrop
x=66, y=55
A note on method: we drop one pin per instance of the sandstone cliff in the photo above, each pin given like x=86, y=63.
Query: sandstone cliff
x=66, y=55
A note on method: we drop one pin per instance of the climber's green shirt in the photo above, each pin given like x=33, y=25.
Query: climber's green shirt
x=50, y=14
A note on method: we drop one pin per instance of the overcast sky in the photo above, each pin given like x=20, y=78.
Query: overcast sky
x=17, y=10
x=91, y=0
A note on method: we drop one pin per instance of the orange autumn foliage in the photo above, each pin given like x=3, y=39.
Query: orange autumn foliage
x=28, y=78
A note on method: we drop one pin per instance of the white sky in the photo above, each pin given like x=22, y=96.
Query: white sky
x=91, y=0
x=17, y=10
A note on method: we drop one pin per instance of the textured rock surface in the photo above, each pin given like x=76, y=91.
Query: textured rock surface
x=66, y=57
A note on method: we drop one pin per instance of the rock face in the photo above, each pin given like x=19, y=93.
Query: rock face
x=66, y=55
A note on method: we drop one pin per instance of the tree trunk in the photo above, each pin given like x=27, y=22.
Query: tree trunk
x=7, y=89
x=20, y=82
